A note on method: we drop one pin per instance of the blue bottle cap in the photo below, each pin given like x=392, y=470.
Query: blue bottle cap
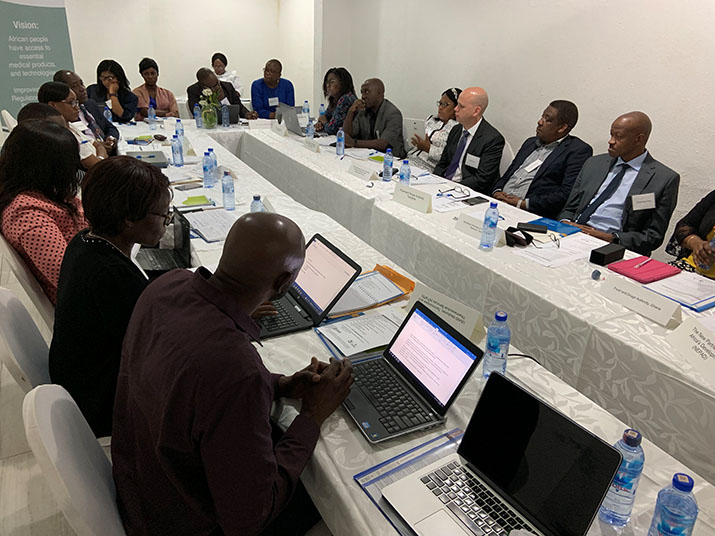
x=389, y=151
x=405, y=161
x=174, y=136
x=256, y=197
x=596, y=275
x=178, y=120
x=500, y=316
x=211, y=149
x=493, y=204
x=632, y=437
x=683, y=482
x=206, y=153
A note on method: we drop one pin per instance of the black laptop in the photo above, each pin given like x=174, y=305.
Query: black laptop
x=325, y=276
x=413, y=384
x=521, y=464
x=156, y=261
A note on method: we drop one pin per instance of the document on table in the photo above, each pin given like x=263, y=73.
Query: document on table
x=692, y=290
x=425, y=177
x=364, y=332
x=444, y=203
x=212, y=225
x=569, y=249
x=360, y=154
x=183, y=173
x=325, y=141
x=367, y=290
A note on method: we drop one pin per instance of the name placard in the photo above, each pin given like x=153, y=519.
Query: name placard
x=267, y=204
x=473, y=225
x=413, y=198
x=643, y=301
x=464, y=319
x=362, y=171
x=279, y=128
x=312, y=145
x=696, y=344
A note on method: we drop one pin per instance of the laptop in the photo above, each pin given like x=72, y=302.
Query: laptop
x=414, y=382
x=325, y=276
x=155, y=158
x=155, y=261
x=288, y=115
x=521, y=464
x=234, y=114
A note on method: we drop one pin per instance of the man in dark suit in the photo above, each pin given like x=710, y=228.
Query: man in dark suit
x=474, y=147
x=626, y=196
x=95, y=125
x=542, y=174
x=207, y=79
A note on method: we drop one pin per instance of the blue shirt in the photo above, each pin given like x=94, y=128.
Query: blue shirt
x=609, y=216
x=260, y=93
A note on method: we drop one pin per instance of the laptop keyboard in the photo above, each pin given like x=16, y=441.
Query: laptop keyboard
x=472, y=502
x=282, y=320
x=397, y=408
x=159, y=259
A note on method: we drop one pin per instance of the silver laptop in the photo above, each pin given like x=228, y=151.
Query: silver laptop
x=287, y=115
x=521, y=465
x=413, y=384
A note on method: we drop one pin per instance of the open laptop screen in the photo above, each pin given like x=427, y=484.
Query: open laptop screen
x=539, y=459
x=323, y=275
x=432, y=356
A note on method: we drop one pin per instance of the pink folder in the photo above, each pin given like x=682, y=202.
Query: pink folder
x=652, y=271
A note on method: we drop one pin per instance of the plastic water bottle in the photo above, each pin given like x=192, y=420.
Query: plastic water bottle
x=207, y=165
x=676, y=509
x=257, y=205
x=498, y=337
x=197, y=116
x=177, y=151
x=229, y=197
x=489, y=229
x=618, y=504
x=215, y=165
x=387, y=166
x=310, y=130
x=306, y=108
x=225, y=116
x=405, y=173
x=340, y=143
x=321, y=111
x=107, y=114
x=179, y=130
x=151, y=116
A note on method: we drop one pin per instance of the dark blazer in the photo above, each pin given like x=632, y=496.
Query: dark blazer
x=641, y=231
x=488, y=145
x=107, y=128
x=554, y=179
x=194, y=94
x=127, y=99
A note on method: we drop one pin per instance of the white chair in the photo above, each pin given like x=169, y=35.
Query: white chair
x=506, y=157
x=22, y=349
x=9, y=120
x=12, y=261
x=77, y=470
x=3, y=136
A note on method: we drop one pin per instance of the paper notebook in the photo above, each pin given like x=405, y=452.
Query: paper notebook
x=647, y=273
x=380, y=286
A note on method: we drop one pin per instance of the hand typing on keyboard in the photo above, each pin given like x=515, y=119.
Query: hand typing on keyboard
x=265, y=309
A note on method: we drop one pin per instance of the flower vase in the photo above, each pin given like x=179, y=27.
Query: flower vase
x=209, y=116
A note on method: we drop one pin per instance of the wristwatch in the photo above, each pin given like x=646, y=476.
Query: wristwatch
x=112, y=94
x=616, y=239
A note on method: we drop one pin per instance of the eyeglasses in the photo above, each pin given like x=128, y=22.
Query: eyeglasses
x=168, y=218
x=441, y=104
x=107, y=78
x=553, y=239
x=457, y=192
x=74, y=103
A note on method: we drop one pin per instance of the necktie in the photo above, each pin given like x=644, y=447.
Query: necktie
x=92, y=123
x=605, y=195
x=454, y=164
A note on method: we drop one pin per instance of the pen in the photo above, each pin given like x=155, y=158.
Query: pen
x=643, y=263
x=424, y=174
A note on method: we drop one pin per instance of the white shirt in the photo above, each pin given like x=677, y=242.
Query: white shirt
x=233, y=79
x=86, y=147
x=458, y=174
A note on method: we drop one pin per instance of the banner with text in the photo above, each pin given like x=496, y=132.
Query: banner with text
x=38, y=44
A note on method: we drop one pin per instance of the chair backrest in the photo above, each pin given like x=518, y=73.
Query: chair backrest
x=9, y=120
x=22, y=349
x=27, y=280
x=507, y=156
x=76, y=468
x=3, y=136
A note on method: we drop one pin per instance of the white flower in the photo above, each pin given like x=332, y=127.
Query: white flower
x=208, y=92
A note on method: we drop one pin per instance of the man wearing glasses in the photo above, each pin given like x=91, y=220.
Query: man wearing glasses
x=269, y=91
x=207, y=79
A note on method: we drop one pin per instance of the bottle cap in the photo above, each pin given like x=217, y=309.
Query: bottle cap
x=389, y=151
x=206, y=153
x=226, y=173
x=493, y=204
x=632, y=437
x=406, y=162
x=500, y=316
x=683, y=482
x=256, y=197
x=175, y=136
x=178, y=120
x=211, y=149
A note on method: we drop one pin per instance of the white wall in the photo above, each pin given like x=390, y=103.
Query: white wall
x=607, y=56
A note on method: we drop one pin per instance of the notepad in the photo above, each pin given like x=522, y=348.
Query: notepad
x=363, y=333
x=197, y=201
x=368, y=290
x=212, y=225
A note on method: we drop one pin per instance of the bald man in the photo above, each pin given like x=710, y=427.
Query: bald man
x=373, y=122
x=225, y=92
x=193, y=447
x=474, y=147
x=272, y=89
x=626, y=196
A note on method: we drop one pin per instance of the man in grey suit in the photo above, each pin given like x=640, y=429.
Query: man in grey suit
x=373, y=122
x=474, y=147
x=626, y=197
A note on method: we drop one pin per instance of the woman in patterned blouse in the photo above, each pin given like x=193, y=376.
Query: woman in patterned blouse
x=428, y=150
x=339, y=90
x=38, y=197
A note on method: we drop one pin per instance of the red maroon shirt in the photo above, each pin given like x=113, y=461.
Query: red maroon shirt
x=191, y=442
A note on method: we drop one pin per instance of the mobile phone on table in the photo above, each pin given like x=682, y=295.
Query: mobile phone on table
x=475, y=201
x=191, y=186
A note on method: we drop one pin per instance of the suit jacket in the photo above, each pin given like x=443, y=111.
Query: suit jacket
x=388, y=123
x=193, y=93
x=107, y=128
x=641, y=231
x=488, y=145
x=554, y=179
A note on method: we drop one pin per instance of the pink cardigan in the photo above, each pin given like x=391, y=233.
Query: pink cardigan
x=165, y=99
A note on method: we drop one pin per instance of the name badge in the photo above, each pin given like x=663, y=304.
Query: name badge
x=536, y=164
x=273, y=101
x=643, y=201
x=471, y=160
